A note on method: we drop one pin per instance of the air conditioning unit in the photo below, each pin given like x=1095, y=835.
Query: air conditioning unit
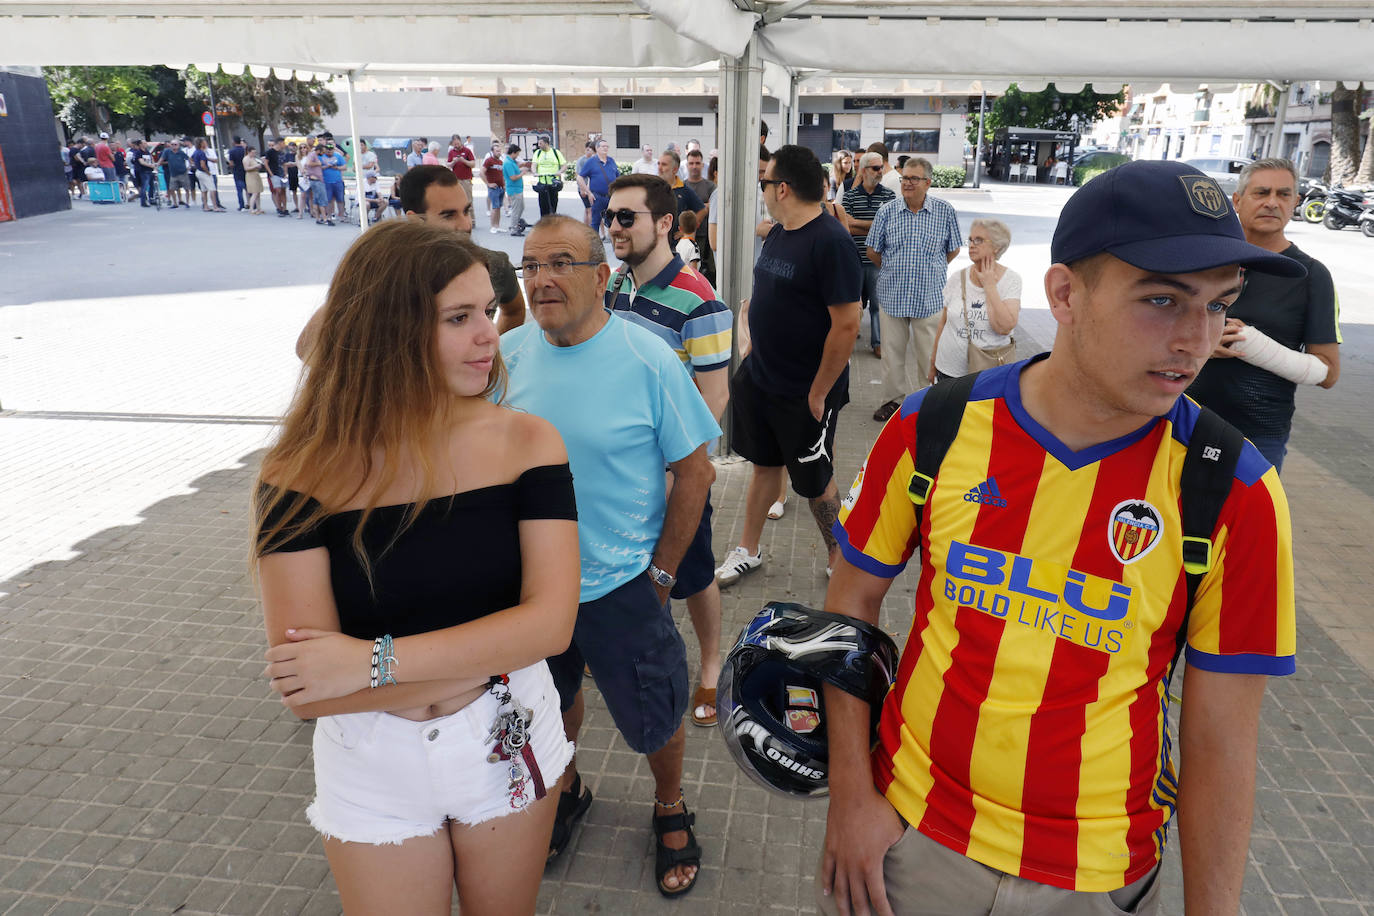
x=627, y=104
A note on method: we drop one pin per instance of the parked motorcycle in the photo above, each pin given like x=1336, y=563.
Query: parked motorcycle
x=1313, y=205
x=1344, y=208
x=1367, y=223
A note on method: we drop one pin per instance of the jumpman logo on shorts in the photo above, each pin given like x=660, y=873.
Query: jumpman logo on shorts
x=817, y=451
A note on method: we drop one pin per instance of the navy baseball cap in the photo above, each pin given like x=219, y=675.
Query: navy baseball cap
x=1160, y=216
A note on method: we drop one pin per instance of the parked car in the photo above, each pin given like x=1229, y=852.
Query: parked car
x=1225, y=171
x=1099, y=160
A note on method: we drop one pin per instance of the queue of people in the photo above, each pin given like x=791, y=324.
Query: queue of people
x=441, y=445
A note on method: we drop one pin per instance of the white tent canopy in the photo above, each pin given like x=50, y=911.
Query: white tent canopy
x=1066, y=42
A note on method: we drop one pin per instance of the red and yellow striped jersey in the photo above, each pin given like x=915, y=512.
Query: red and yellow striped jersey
x=1027, y=727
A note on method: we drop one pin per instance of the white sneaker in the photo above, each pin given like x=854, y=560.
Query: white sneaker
x=737, y=563
x=495, y=231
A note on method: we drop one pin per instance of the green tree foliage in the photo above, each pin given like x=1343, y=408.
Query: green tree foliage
x=169, y=112
x=1048, y=109
x=266, y=105
x=90, y=99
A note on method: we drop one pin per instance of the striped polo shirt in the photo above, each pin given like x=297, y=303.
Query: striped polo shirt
x=1027, y=729
x=681, y=307
x=860, y=204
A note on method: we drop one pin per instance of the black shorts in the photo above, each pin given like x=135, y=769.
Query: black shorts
x=772, y=430
x=698, y=567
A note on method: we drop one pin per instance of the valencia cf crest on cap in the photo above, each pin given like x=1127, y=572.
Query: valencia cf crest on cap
x=1134, y=530
x=1205, y=196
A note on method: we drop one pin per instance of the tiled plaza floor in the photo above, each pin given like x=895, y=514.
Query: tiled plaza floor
x=146, y=768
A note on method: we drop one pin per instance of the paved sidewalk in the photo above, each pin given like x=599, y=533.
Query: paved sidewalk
x=146, y=768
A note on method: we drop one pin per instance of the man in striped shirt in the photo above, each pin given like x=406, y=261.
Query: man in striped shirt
x=1023, y=753
x=862, y=202
x=656, y=290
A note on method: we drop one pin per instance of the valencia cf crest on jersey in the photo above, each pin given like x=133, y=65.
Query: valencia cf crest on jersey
x=1134, y=530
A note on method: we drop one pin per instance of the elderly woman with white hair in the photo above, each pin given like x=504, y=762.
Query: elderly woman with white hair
x=982, y=303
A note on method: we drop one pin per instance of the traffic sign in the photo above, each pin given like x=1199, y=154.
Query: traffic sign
x=206, y=118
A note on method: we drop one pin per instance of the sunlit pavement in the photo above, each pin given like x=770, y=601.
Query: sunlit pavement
x=144, y=765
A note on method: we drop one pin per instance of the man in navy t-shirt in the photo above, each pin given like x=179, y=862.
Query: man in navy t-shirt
x=236, y=154
x=786, y=396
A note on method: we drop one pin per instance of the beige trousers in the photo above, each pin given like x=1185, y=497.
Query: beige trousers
x=923, y=877
x=907, y=347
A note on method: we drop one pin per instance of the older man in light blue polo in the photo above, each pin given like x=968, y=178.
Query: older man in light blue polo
x=912, y=240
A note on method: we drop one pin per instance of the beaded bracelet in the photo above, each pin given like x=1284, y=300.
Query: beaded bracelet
x=383, y=661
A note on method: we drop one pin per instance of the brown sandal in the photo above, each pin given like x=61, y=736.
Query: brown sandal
x=882, y=414
x=705, y=696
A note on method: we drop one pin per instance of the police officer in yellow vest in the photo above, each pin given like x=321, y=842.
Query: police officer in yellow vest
x=548, y=176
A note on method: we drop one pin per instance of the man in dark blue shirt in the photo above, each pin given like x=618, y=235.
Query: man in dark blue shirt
x=786, y=396
x=236, y=154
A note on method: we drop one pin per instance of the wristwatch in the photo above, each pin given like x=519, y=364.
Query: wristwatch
x=660, y=577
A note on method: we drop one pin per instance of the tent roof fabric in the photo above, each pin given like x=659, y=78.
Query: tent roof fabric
x=953, y=42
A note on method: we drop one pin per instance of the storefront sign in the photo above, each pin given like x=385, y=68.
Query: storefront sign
x=861, y=103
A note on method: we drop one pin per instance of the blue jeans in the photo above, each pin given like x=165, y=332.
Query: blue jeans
x=240, y=185
x=1273, y=448
x=145, y=187
x=868, y=298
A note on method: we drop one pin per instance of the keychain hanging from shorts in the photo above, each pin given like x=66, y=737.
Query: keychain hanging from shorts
x=510, y=731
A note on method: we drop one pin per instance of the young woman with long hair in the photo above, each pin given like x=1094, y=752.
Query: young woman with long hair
x=841, y=175
x=416, y=548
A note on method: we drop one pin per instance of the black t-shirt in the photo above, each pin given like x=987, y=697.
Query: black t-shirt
x=458, y=561
x=798, y=276
x=274, y=158
x=1295, y=313
x=236, y=155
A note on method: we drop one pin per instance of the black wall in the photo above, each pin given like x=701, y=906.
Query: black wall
x=29, y=141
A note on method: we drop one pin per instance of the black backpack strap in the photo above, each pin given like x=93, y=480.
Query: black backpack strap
x=937, y=423
x=1208, y=472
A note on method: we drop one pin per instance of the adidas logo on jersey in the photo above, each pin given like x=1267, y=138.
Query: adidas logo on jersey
x=987, y=494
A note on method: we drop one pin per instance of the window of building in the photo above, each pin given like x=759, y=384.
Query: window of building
x=912, y=141
x=844, y=139
x=627, y=136
x=685, y=121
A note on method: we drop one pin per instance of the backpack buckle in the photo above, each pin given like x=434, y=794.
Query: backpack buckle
x=919, y=487
x=1197, y=555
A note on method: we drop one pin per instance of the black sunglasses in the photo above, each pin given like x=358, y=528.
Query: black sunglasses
x=625, y=216
x=765, y=182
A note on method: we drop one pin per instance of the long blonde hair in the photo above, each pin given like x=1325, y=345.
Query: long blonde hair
x=372, y=389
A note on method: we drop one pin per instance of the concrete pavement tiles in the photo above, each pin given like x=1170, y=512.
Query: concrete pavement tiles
x=146, y=768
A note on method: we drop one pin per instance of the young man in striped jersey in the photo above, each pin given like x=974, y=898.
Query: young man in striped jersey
x=1022, y=756
x=655, y=290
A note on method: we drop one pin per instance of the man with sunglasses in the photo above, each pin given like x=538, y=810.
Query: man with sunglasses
x=786, y=396
x=626, y=408
x=862, y=202
x=656, y=290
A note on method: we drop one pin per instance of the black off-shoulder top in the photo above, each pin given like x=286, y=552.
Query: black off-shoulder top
x=458, y=561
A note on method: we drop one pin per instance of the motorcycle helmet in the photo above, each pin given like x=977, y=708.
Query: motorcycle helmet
x=770, y=700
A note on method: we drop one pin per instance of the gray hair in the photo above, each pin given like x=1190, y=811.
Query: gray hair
x=434, y=147
x=596, y=249
x=1262, y=165
x=923, y=163
x=998, y=234
x=868, y=159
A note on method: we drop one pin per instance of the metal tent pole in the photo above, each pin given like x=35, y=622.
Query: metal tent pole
x=978, y=151
x=741, y=104
x=357, y=159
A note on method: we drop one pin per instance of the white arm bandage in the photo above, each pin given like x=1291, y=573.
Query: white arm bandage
x=1259, y=349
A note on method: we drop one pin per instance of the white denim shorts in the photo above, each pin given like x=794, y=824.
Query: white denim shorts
x=380, y=778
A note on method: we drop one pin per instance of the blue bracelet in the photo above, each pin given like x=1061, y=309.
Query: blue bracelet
x=383, y=661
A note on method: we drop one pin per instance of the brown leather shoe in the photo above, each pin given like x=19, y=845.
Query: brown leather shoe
x=878, y=350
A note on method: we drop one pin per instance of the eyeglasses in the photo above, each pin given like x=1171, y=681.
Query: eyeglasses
x=907, y=179
x=976, y=240
x=558, y=267
x=765, y=182
x=625, y=216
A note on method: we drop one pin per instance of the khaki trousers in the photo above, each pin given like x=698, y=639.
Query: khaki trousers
x=907, y=347
x=923, y=877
